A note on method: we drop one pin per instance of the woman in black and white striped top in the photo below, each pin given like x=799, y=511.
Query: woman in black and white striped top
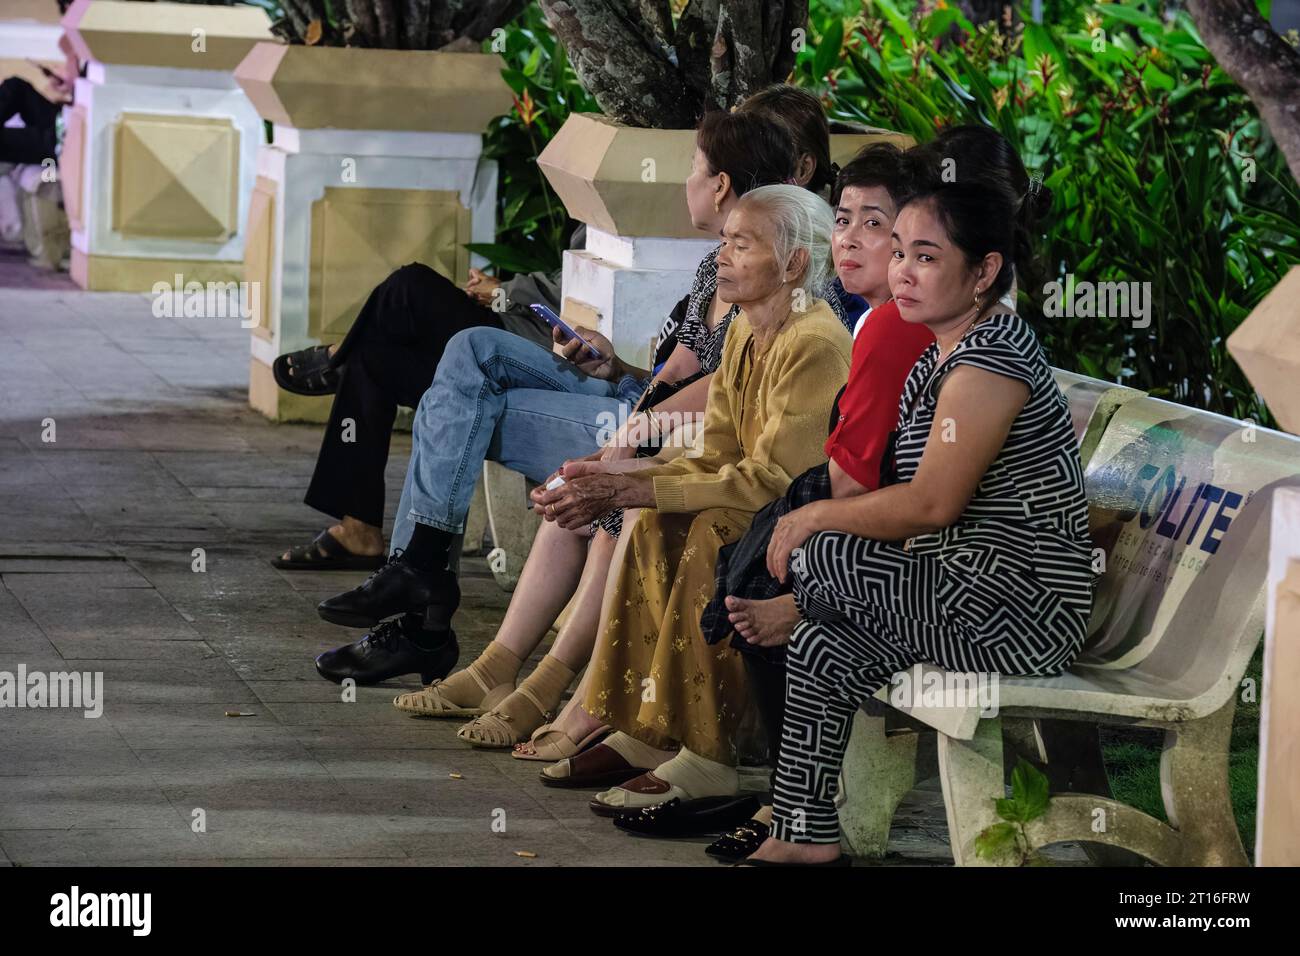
x=977, y=558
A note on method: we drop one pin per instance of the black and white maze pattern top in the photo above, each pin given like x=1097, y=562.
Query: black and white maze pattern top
x=1029, y=514
x=706, y=343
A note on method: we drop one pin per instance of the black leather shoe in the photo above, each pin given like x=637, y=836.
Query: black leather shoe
x=385, y=653
x=396, y=588
x=687, y=818
x=739, y=842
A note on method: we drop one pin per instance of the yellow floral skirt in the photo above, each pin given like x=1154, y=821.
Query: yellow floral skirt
x=653, y=676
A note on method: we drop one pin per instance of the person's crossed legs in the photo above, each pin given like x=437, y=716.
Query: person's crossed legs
x=496, y=396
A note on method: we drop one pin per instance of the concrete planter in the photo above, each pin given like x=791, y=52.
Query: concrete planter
x=375, y=161
x=628, y=186
x=161, y=147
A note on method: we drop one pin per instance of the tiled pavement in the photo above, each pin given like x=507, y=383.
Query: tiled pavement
x=156, y=454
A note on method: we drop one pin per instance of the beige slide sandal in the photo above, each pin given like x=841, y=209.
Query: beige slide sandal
x=429, y=702
x=550, y=745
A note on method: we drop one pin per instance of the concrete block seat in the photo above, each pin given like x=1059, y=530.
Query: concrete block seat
x=1179, y=502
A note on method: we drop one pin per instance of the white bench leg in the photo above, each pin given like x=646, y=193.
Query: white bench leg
x=513, y=523
x=972, y=778
x=878, y=772
x=1201, y=831
x=1194, y=785
x=45, y=226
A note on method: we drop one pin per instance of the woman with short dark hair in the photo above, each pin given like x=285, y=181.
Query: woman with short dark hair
x=977, y=556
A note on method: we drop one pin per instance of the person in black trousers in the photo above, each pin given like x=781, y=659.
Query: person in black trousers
x=387, y=359
x=35, y=141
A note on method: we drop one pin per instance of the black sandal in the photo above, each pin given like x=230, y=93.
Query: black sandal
x=325, y=553
x=306, y=372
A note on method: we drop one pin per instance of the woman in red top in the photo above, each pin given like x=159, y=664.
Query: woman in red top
x=867, y=195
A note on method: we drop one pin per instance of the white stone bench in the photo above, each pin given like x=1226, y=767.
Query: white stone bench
x=36, y=199
x=1176, y=618
x=501, y=506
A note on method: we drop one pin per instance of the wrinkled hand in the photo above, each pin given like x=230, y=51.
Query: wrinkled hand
x=791, y=531
x=579, y=501
x=481, y=286
x=588, y=465
x=606, y=367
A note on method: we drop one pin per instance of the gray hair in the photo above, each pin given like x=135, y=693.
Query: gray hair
x=800, y=220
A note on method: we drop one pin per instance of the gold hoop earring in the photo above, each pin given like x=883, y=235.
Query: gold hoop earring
x=717, y=205
x=977, y=299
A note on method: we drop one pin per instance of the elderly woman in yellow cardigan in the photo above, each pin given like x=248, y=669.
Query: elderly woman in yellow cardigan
x=673, y=700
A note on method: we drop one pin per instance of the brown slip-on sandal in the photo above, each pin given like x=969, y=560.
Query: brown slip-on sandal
x=429, y=702
x=601, y=766
x=646, y=790
x=551, y=745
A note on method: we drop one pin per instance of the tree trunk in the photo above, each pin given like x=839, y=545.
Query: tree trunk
x=633, y=82
x=488, y=15
x=386, y=15
x=299, y=16
x=1260, y=62
x=415, y=25
x=643, y=72
x=364, y=25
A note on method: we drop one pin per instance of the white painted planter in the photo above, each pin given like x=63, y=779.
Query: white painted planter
x=631, y=283
x=161, y=147
x=629, y=186
x=375, y=161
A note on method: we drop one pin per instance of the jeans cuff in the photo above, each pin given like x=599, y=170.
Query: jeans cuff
x=435, y=523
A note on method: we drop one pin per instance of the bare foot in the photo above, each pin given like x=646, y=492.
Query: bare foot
x=778, y=851
x=765, y=623
x=358, y=537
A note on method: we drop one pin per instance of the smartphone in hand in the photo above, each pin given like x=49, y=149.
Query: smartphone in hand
x=545, y=313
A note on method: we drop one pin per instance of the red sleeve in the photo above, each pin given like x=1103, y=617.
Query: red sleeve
x=883, y=355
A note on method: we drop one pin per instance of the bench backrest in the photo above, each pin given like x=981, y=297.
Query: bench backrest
x=1179, y=500
x=1092, y=403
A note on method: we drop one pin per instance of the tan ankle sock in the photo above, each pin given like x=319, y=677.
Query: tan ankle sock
x=699, y=776
x=495, y=666
x=538, y=697
x=633, y=751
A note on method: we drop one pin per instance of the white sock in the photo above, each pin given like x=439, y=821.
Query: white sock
x=636, y=753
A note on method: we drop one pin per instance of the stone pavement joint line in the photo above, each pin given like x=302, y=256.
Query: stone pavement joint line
x=156, y=453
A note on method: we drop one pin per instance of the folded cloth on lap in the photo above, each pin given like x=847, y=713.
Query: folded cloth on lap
x=742, y=566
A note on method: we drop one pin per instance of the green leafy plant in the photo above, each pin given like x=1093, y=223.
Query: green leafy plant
x=1160, y=168
x=532, y=226
x=1029, y=800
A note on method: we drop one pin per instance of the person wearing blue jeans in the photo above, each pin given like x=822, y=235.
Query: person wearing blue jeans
x=496, y=396
x=516, y=403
